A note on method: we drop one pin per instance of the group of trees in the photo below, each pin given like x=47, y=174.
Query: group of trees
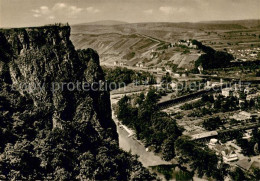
x=209, y=105
x=166, y=78
x=200, y=158
x=206, y=163
x=252, y=146
x=32, y=147
x=196, y=104
x=65, y=155
x=212, y=58
x=155, y=128
x=239, y=174
x=31, y=150
x=226, y=104
x=119, y=76
x=123, y=76
x=212, y=123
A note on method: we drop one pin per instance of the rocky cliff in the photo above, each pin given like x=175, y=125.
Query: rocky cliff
x=51, y=127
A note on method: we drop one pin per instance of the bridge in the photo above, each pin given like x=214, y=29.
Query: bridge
x=240, y=128
x=220, y=133
x=251, y=80
x=185, y=98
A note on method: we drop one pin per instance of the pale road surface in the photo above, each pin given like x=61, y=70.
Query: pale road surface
x=129, y=143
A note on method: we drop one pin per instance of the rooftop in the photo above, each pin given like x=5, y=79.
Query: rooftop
x=204, y=135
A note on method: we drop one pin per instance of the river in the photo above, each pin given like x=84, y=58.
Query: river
x=130, y=144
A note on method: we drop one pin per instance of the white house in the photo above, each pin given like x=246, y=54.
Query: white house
x=212, y=143
x=229, y=155
x=176, y=75
x=227, y=92
x=159, y=69
x=122, y=64
x=242, y=116
x=115, y=62
x=200, y=68
x=140, y=64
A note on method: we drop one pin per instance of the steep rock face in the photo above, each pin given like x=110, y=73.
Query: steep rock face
x=42, y=67
x=50, y=127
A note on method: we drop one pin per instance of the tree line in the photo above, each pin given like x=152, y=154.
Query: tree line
x=155, y=128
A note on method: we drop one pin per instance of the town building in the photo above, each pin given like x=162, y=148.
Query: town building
x=228, y=154
x=200, y=68
x=122, y=64
x=115, y=63
x=242, y=116
x=204, y=135
x=140, y=64
x=212, y=143
x=226, y=92
x=247, y=165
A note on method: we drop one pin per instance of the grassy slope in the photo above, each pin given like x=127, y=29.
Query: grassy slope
x=116, y=42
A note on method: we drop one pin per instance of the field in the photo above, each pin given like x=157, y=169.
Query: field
x=151, y=43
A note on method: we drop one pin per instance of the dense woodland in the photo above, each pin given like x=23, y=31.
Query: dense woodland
x=63, y=135
x=212, y=58
x=123, y=76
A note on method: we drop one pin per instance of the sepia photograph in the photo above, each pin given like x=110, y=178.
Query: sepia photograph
x=130, y=90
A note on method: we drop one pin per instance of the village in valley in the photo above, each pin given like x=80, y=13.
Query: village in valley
x=136, y=90
x=207, y=85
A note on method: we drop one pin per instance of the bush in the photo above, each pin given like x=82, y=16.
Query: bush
x=212, y=123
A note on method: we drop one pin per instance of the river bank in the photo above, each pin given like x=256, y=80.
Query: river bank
x=128, y=143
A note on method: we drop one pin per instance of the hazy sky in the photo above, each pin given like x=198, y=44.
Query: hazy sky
x=17, y=13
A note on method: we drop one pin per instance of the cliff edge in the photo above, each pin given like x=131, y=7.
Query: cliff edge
x=55, y=115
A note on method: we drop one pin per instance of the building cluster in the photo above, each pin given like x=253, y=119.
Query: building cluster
x=231, y=153
x=245, y=54
x=242, y=116
x=187, y=43
x=236, y=90
x=139, y=64
x=228, y=153
x=116, y=63
x=248, y=92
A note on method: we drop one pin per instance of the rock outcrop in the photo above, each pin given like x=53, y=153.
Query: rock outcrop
x=51, y=126
x=45, y=68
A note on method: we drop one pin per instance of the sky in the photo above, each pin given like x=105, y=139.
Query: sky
x=23, y=13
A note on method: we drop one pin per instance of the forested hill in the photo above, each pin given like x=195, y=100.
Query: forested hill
x=51, y=132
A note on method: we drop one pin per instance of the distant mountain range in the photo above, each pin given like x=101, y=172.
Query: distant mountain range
x=105, y=22
x=250, y=23
x=246, y=23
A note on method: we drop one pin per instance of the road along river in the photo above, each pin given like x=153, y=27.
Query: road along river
x=131, y=144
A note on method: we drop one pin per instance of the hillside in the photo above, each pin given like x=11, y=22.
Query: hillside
x=250, y=23
x=48, y=129
x=139, y=42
